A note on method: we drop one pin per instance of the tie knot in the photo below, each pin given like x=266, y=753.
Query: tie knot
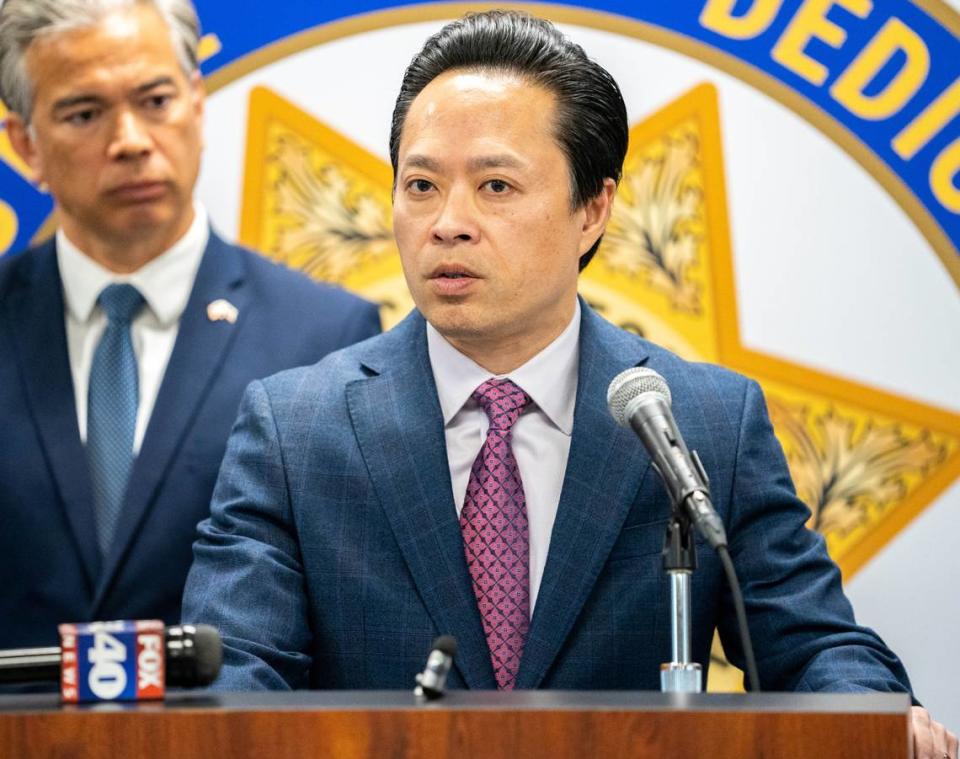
x=502, y=400
x=120, y=302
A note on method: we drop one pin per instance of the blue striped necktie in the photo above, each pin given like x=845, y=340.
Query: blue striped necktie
x=112, y=398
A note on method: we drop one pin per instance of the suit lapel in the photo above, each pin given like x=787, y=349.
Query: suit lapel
x=197, y=354
x=605, y=469
x=399, y=427
x=35, y=313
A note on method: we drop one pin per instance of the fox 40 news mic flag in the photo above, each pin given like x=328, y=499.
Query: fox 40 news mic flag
x=112, y=661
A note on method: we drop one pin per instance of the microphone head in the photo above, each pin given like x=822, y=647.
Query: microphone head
x=446, y=644
x=629, y=385
x=209, y=647
x=194, y=655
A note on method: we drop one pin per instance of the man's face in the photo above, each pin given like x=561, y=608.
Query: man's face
x=482, y=212
x=115, y=130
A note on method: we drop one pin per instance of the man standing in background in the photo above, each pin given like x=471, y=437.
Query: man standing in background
x=128, y=340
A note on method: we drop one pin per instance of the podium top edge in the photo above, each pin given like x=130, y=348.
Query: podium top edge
x=351, y=701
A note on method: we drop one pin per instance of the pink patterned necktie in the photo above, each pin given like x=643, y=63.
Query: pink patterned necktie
x=496, y=533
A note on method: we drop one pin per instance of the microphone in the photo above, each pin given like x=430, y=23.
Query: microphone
x=639, y=398
x=93, y=664
x=432, y=681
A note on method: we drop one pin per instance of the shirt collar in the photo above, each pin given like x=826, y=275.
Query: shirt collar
x=549, y=378
x=165, y=282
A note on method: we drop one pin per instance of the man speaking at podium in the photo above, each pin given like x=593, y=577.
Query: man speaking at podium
x=127, y=341
x=461, y=474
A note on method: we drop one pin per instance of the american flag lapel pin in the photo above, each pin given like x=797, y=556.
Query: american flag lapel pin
x=222, y=310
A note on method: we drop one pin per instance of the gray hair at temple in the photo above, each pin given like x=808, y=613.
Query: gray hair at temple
x=23, y=21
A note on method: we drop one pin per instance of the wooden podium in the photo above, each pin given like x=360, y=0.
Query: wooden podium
x=526, y=725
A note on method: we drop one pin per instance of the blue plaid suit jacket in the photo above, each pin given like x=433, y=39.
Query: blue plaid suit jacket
x=333, y=554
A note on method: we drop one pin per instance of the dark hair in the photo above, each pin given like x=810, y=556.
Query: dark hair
x=591, y=121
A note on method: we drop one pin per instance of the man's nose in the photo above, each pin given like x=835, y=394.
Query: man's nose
x=457, y=220
x=131, y=138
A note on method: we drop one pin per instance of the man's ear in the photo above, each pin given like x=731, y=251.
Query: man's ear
x=24, y=144
x=198, y=98
x=198, y=93
x=596, y=214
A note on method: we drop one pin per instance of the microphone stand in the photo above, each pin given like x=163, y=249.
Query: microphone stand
x=679, y=560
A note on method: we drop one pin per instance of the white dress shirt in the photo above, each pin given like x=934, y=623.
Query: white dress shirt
x=165, y=283
x=541, y=436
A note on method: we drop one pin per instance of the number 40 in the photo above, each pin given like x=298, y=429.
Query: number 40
x=107, y=678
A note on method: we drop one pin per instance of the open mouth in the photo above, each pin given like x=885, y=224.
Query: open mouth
x=452, y=271
x=452, y=280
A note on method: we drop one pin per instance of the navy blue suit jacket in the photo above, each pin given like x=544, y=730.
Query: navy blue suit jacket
x=333, y=554
x=50, y=568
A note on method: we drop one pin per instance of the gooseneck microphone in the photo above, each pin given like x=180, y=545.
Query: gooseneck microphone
x=433, y=680
x=639, y=398
x=193, y=655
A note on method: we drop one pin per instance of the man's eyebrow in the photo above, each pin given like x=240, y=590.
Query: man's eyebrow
x=69, y=102
x=499, y=161
x=158, y=82
x=417, y=161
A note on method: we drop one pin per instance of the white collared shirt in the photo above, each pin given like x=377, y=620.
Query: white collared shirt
x=165, y=283
x=541, y=436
